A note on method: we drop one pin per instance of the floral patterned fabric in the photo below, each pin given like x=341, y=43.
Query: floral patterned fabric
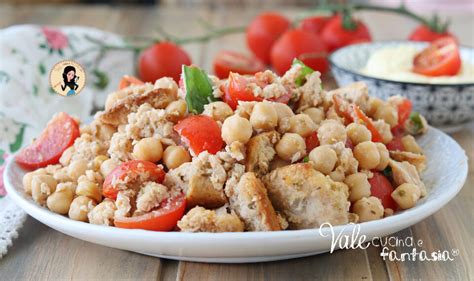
x=27, y=102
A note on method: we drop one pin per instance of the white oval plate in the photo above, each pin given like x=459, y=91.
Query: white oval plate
x=445, y=175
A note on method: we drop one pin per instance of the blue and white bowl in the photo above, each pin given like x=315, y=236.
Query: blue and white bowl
x=448, y=106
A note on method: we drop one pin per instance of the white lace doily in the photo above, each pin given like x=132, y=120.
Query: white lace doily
x=11, y=220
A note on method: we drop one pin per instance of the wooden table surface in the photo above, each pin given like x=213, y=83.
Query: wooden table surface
x=41, y=253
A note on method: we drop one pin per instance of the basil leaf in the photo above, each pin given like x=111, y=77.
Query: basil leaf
x=198, y=88
x=301, y=79
x=306, y=159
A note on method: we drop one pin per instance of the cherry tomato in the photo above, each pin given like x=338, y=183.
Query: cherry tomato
x=263, y=32
x=424, y=33
x=200, y=133
x=60, y=134
x=131, y=173
x=440, y=58
x=237, y=90
x=164, y=218
x=396, y=144
x=229, y=61
x=336, y=36
x=303, y=45
x=311, y=141
x=381, y=188
x=127, y=81
x=314, y=24
x=376, y=137
x=163, y=59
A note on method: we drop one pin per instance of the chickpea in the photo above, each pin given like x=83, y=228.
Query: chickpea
x=97, y=162
x=331, y=131
x=66, y=156
x=60, y=201
x=302, y=125
x=368, y=209
x=291, y=147
x=406, y=195
x=41, y=187
x=174, y=156
x=387, y=113
x=148, y=149
x=218, y=110
x=374, y=104
x=324, y=159
x=263, y=117
x=359, y=186
x=177, y=109
x=384, y=156
x=27, y=180
x=236, y=128
x=337, y=175
x=358, y=133
x=108, y=166
x=317, y=115
x=409, y=144
x=80, y=207
x=367, y=154
x=282, y=110
x=90, y=189
x=76, y=169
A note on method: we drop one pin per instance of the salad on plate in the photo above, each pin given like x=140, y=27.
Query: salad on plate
x=247, y=153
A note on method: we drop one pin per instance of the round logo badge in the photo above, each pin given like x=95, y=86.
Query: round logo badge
x=67, y=78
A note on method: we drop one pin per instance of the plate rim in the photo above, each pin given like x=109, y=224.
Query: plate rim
x=404, y=218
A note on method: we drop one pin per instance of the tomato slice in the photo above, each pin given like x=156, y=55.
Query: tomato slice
x=127, y=81
x=60, y=134
x=440, y=58
x=381, y=188
x=228, y=61
x=376, y=137
x=396, y=144
x=237, y=90
x=164, y=218
x=404, y=110
x=129, y=174
x=200, y=133
x=311, y=141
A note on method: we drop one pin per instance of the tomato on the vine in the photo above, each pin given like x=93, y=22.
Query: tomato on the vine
x=314, y=24
x=424, y=33
x=164, y=59
x=263, y=32
x=226, y=62
x=442, y=57
x=335, y=35
x=303, y=45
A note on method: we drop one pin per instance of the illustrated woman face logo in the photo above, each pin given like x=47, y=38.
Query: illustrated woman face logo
x=69, y=74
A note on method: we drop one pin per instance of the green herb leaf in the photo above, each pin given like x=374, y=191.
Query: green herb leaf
x=102, y=80
x=387, y=172
x=18, y=141
x=306, y=159
x=198, y=88
x=416, y=120
x=306, y=70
